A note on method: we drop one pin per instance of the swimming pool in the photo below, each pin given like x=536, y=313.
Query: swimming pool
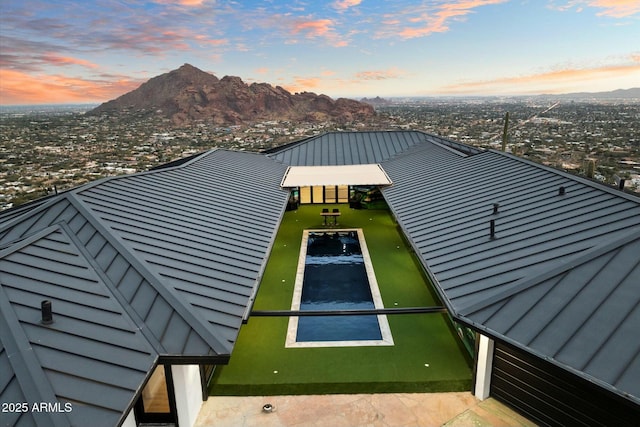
x=335, y=273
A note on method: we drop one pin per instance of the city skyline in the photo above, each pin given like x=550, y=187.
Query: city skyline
x=76, y=52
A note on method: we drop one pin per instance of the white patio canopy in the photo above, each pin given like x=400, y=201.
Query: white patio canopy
x=309, y=176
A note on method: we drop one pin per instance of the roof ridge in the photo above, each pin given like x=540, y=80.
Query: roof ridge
x=27, y=368
x=173, y=299
x=131, y=313
x=577, y=178
x=280, y=148
x=113, y=303
x=21, y=242
x=30, y=212
x=152, y=171
x=528, y=282
x=466, y=149
x=65, y=229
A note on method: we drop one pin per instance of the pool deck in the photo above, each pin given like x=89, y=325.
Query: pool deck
x=347, y=410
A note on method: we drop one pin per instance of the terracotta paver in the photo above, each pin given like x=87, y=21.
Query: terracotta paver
x=358, y=410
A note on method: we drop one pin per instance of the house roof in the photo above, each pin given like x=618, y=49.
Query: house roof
x=204, y=229
x=355, y=148
x=581, y=314
x=562, y=264
x=177, y=253
x=443, y=196
x=94, y=355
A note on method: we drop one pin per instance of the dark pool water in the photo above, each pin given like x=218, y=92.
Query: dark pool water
x=335, y=279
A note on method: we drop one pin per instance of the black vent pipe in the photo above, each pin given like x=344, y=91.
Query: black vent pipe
x=47, y=312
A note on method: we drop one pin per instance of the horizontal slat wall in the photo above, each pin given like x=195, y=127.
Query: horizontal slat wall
x=552, y=396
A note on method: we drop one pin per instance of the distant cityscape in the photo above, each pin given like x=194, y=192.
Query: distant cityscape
x=48, y=149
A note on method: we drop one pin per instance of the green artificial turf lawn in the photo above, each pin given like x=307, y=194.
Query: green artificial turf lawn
x=261, y=365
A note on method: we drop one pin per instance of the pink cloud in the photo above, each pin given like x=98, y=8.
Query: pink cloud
x=313, y=28
x=346, y=4
x=53, y=59
x=617, y=8
x=189, y=3
x=329, y=82
x=213, y=42
x=612, y=8
x=391, y=73
x=303, y=84
x=429, y=18
x=515, y=84
x=22, y=88
x=309, y=81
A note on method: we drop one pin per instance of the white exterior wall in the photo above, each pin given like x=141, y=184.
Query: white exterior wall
x=188, y=393
x=484, y=367
x=130, y=421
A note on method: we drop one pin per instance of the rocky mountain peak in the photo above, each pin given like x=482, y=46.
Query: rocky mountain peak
x=189, y=94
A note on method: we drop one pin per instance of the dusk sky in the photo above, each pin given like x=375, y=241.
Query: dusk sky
x=92, y=51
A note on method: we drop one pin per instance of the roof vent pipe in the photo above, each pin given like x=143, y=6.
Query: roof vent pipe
x=492, y=229
x=47, y=312
x=561, y=191
x=495, y=208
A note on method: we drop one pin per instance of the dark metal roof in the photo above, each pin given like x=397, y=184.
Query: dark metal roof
x=178, y=251
x=93, y=356
x=582, y=314
x=445, y=204
x=182, y=249
x=353, y=148
x=204, y=230
x=136, y=287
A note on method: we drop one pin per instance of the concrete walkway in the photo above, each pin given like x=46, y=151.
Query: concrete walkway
x=348, y=410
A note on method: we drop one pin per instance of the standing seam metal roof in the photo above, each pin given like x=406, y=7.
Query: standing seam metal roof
x=560, y=267
x=599, y=292
x=180, y=251
x=443, y=197
x=204, y=228
x=352, y=148
x=444, y=203
x=93, y=356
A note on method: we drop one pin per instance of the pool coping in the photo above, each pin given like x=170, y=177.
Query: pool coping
x=385, y=330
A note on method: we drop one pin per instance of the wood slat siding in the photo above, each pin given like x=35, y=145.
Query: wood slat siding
x=552, y=396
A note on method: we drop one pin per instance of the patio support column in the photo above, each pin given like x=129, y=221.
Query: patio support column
x=483, y=367
x=188, y=393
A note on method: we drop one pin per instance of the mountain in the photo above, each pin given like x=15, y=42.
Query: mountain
x=376, y=101
x=189, y=94
x=632, y=93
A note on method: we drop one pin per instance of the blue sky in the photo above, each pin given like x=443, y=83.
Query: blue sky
x=93, y=51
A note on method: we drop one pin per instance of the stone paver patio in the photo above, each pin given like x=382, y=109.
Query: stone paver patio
x=348, y=410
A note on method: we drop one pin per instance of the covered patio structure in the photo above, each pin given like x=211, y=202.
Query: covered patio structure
x=331, y=184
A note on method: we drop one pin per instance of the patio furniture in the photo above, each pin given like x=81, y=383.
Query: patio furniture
x=334, y=214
